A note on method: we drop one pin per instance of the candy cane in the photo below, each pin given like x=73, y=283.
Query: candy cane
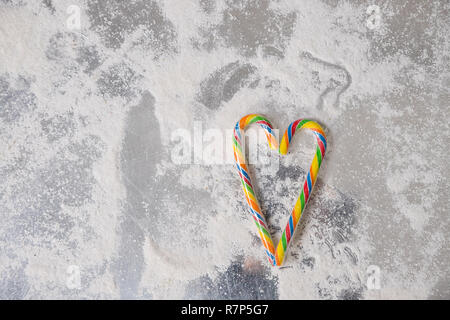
x=276, y=257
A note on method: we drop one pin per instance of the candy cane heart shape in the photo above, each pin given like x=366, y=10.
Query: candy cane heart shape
x=276, y=257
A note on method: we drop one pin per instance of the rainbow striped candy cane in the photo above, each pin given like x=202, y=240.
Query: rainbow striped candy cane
x=276, y=257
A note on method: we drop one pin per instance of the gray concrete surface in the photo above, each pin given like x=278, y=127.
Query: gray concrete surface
x=94, y=93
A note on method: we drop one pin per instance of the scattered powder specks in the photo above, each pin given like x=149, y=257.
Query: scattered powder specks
x=92, y=205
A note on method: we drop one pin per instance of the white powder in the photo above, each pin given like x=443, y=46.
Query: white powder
x=393, y=183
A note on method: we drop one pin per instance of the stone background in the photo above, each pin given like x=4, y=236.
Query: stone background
x=93, y=205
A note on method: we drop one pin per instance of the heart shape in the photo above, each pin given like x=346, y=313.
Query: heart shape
x=276, y=257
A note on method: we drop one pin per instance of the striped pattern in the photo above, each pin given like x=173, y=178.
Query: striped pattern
x=276, y=257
